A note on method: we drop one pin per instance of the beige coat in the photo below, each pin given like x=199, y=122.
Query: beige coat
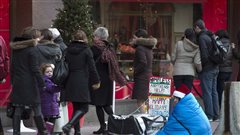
x=186, y=58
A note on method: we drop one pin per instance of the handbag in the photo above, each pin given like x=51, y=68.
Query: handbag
x=60, y=72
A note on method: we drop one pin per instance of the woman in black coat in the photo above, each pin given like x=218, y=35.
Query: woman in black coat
x=142, y=66
x=26, y=80
x=107, y=67
x=81, y=67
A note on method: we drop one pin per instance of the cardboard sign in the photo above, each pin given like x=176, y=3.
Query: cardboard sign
x=159, y=105
x=160, y=86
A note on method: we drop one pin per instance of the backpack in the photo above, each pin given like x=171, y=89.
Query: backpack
x=4, y=59
x=217, y=52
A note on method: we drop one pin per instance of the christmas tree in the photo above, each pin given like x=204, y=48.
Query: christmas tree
x=75, y=14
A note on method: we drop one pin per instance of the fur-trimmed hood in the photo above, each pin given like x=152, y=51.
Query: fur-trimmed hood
x=147, y=42
x=189, y=46
x=21, y=43
x=49, y=49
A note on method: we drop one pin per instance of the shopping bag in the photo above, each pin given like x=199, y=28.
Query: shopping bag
x=120, y=125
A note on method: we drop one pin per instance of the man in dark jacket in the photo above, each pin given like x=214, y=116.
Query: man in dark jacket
x=208, y=76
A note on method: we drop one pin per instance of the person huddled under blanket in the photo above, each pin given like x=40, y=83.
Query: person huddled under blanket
x=187, y=117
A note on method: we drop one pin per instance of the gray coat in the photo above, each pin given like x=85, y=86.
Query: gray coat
x=186, y=58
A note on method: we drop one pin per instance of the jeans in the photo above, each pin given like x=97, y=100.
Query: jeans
x=209, y=92
x=221, y=79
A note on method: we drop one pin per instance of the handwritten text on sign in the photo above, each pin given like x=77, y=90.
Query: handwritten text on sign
x=160, y=86
x=159, y=105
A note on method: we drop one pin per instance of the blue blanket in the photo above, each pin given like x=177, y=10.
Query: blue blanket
x=187, y=118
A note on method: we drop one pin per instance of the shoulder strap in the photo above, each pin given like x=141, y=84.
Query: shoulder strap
x=182, y=124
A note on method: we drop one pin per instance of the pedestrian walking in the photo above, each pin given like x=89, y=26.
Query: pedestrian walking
x=24, y=66
x=49, y=97
x=81, y=68
x=108, y=69
x=236, y=53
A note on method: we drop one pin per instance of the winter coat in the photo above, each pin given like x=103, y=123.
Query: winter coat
x=60, y=42
x=186, y=58
x=4, y=59
x=81, y=67
x=205, y=43
x=142, y=66
x=103, y=95
x=227, y=65
x=48, y=52
x=189, y=113
x=49, y=98
x=26, y=78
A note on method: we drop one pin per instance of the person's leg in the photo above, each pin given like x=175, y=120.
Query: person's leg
x=79, y=109
x=17, y=120
x=108, y=109
x=221, y=79
x=101, y=119
x=39, y=120
x=178, y=80
x=188, y=81
x=1, y=128
x=215, y=101
x=206, y=86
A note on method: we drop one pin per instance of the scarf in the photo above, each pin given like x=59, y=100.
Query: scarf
x=108, y=56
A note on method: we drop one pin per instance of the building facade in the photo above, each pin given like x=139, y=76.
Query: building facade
x=164, y=19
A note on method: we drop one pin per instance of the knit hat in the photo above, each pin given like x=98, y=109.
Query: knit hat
x=55, y=32
x=181, y=91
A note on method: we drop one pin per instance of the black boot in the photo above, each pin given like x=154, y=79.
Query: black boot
x=77, y=129
x=1, y=128
x=40, y=125
x=101, y=130
x=16, y=124
x=75, y=118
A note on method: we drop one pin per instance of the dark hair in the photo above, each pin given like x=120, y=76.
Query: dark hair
x=200, y=23
x=141, y=33
x=47, y=34
x=190, y=34
x=222, y=34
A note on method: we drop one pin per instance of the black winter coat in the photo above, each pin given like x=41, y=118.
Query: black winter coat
x=205, y=44
x=81, y=67
x=103, y=95
x=142, y=67
x=25, y=74
x=227, y=65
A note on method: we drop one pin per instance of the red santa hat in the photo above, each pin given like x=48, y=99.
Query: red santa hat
x=181, y=91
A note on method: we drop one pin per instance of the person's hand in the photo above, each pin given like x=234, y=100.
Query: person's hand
x=3, y=80
x=96, y=86
x=233, y=45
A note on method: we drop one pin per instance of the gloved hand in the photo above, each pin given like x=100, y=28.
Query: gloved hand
x=96, y=86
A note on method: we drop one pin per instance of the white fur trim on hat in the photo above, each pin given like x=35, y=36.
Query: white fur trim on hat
x=178, y=94
x=55, y=32
x=52, y=66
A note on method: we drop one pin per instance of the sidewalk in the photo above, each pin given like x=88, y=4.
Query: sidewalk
x=88, y=128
